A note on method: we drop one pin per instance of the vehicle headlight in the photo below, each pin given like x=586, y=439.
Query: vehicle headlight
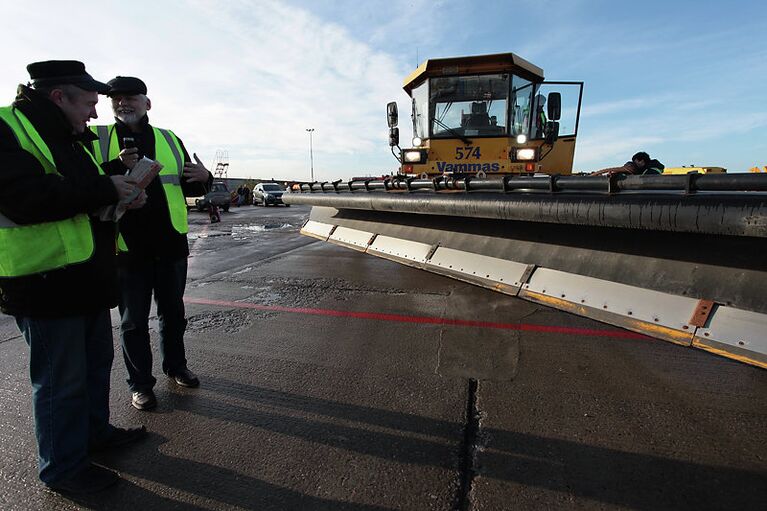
x=417, y=141
x=414, y=156
x=523, y=154
x=521, y=139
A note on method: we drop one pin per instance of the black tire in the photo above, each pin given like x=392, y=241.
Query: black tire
x=287, y=205
x=226, y=208
x=200, y=205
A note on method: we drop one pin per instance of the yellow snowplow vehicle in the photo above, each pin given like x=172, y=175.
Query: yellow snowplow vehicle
x=487, y=196
x=694, y=170
x=485, y=115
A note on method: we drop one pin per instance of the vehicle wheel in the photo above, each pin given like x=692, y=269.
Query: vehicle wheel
x=226, y=208
x=287, y=205
x=200, y=205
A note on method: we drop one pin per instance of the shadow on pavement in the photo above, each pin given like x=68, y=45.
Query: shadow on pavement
x=636, y=481
x=633, y=480
x=328, y=408
x=211, y=483
x=125, y=495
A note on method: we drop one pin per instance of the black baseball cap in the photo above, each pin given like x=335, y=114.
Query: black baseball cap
x=126, y=85
x=64, y=72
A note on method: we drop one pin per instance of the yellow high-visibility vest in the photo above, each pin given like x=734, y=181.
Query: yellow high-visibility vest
x=36, y=248
x=167, y=150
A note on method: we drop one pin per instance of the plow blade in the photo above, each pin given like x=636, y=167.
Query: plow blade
x=686, y=269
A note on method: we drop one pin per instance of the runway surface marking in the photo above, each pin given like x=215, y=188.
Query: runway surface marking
x=400, y=318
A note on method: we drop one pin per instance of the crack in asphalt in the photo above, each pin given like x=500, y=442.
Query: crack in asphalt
x=11, y=339
x=470, y=449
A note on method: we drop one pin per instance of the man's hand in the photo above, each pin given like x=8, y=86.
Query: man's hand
x=196, y=172
x=124, y=186
x=129, y=157
x=139, y=201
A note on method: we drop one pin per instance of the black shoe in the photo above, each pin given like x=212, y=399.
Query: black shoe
x=91, y=479
x=144, y=400
x=119, y=437
x=185, y=378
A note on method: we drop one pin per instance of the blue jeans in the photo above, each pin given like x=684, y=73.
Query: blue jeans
x=167, y=280
x=70, y=364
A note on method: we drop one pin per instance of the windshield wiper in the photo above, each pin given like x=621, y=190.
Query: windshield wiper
x=453, y=132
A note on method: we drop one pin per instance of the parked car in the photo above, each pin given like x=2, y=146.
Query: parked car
x=218, y=195
x=265, y=194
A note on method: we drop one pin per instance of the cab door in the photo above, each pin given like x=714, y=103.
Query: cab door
x=571, y=94
x=556, y=136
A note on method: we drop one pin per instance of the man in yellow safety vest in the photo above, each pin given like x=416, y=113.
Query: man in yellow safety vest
x=153, y=243
x=58, y=271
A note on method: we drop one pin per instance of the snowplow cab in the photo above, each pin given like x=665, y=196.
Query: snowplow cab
x=488, y=114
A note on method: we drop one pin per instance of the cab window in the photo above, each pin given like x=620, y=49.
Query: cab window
x=570, y=93
x=421, y=110
x=521, y=107
x=468, y=105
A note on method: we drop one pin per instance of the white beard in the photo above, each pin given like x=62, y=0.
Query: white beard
x=128, y=118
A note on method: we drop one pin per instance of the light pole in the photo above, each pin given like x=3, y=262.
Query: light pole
x=311, y=152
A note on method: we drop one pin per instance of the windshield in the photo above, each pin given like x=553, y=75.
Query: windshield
x=272, y=188
x=468, y=105
x=218, y=187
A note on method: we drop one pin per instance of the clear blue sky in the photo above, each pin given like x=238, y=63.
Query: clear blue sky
x=683, y=80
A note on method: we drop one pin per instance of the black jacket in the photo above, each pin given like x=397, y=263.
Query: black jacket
x=654, y=167
x=28, y=195
x=148, y=231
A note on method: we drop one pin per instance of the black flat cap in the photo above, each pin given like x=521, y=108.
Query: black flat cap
x=126, y=85
x=64, y=72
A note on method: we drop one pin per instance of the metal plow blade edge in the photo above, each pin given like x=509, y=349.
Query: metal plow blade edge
x=691, y=272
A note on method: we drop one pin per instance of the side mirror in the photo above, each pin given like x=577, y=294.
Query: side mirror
x=393, y=137
x=391, y=114
x=551, y=132
x=554, y=105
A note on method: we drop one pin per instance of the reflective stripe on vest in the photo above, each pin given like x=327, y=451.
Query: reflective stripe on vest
x=36, y=248
x=168, y=152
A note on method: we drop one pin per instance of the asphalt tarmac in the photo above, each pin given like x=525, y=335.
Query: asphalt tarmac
x=332, y=379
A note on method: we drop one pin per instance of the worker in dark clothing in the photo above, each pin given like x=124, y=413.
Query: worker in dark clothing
x=640, y=165
x=153, y=243
x=644, y=165
x=58, y=271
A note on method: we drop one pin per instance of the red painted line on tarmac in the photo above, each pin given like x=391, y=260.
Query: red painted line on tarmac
x=400, y=318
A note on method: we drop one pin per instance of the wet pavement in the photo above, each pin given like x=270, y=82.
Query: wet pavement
x=336, y=380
